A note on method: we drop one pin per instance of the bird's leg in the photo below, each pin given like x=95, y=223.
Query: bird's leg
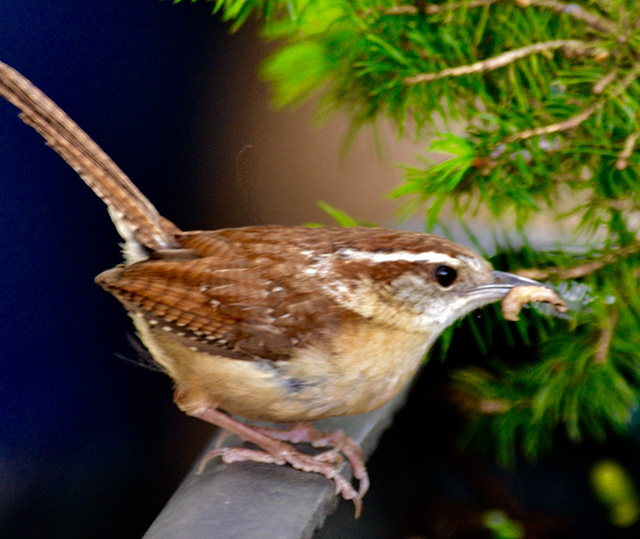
x=304, y=432
x=275, y=451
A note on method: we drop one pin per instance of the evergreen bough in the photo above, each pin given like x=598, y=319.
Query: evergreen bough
x=547, y=95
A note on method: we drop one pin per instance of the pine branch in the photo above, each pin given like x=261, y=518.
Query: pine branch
x=576, y=120
x=582, y=270
x=502, y=60
x=600, y=86
x=565, y=125
x=575, y=11
x=606, y=336
x=623, y=157
x=432, y=9
x=598, y=22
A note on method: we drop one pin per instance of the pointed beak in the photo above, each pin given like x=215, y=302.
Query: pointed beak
x=509, y=280
x=499, y=285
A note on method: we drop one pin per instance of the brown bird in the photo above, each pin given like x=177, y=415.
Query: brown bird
x=282, y=324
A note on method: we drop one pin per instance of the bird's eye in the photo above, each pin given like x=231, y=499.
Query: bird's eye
x=445, y=275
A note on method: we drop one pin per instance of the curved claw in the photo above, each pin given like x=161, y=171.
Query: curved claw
x=331, y=455
x=324, y=464
x=338, y=440
x=275, y=450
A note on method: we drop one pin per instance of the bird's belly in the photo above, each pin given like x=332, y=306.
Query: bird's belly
x=359, y=372
x=367, y=368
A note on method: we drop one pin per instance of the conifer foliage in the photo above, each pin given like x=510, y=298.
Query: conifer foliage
x=546, y=96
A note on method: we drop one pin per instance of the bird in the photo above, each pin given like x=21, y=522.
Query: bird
x=281, y=324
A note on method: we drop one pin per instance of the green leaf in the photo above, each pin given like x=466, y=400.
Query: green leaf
x=296, y=72
x=343, y=219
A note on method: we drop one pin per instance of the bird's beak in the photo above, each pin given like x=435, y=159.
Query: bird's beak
x=509, y=280
x=501, y=282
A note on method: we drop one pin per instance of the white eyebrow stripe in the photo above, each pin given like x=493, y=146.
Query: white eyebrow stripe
x=430, y=257
x=474, y=263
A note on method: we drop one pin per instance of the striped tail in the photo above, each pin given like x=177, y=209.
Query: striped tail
x=136, y=219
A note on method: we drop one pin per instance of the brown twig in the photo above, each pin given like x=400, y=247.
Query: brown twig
x=575, y=11
x=569, y=123
x=562, y=274
x=616, y=204
x=606, y=336
x=575, y=121
x=498, y=61
x=494, y=406
x=432, y=9
x=623, y=157
x=599, y=86
x=576, y=272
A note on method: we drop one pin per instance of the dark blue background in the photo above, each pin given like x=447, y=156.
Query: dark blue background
x=91, y=445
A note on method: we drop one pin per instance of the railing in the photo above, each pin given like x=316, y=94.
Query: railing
x=250, y=500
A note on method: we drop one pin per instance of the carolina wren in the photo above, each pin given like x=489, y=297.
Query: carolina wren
x=283, y=324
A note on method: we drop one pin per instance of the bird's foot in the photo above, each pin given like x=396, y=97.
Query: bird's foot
x=274, y=449
x=306, y=433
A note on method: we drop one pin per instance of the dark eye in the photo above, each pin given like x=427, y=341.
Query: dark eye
x=445, y=275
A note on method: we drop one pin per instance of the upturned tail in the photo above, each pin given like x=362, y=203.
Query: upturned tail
x=136, y=219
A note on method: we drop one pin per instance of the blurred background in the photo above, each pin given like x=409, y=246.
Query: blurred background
x=91, y=443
